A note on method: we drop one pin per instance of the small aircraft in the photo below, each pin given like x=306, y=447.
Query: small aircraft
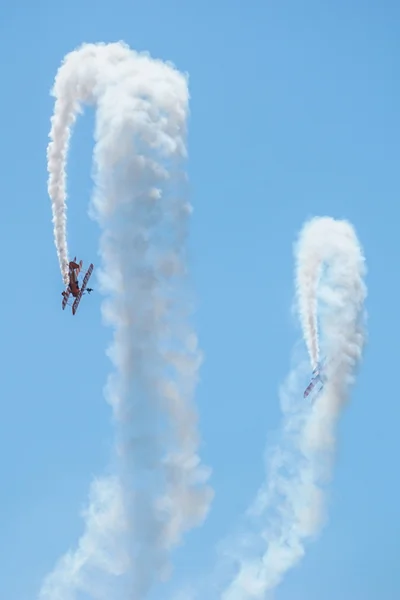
x=316, y=377
x=73, y=286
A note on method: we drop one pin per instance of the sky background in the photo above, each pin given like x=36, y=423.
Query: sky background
x=294, y=113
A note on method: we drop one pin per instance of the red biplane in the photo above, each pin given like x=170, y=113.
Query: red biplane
x=73, y=286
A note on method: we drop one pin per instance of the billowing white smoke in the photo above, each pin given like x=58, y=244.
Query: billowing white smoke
x=158, y=489
x=289, y=509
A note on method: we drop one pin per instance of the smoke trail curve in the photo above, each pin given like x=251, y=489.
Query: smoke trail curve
x=158, y=489
x=289, y=508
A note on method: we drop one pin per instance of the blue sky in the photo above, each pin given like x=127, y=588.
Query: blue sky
x=293, y=114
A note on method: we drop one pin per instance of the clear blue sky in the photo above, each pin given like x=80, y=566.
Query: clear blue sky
x=294, y=112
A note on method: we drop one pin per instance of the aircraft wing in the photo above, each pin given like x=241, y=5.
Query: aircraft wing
x=84, y=284
x=65, y=299
x=308, y=389
x=312, y=385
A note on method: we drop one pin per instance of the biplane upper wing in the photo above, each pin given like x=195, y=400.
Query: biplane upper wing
x=65, y=298
x=84, y=284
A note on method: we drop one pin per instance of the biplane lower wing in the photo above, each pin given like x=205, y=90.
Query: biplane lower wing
x=312, y=386
x=65, y=298
x=82, y=290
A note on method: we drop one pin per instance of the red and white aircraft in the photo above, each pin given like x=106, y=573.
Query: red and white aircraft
x=73, y=286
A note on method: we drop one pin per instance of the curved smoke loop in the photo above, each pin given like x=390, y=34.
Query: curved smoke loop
x=289, y=508
x=159, y=488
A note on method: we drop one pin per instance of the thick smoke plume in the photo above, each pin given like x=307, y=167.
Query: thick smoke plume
x=158, y=489
x=289, y=509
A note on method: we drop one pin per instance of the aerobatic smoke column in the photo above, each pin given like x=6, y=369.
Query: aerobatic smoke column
x=339, y=291
x=289, y=508
x=159, y=488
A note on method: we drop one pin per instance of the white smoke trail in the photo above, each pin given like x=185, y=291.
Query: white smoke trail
x=289, y=508
x=159, y=487
x=306, y=282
